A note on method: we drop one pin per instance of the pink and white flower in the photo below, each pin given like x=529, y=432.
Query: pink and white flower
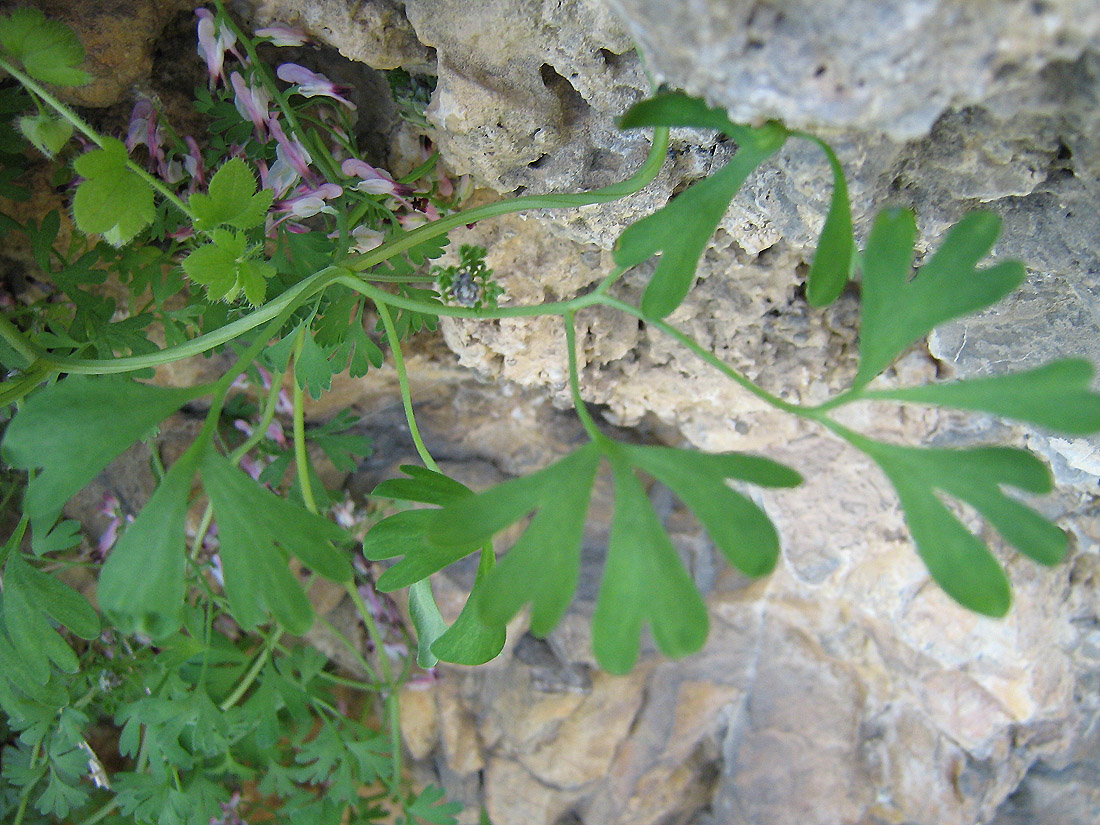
x=214, y=41
x=290, y=152
x=280, y=35
x=311, y=84
x=309, y=202
x=252, y=103
x=372, y=181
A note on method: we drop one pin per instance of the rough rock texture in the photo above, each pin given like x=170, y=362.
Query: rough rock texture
x=119, y=38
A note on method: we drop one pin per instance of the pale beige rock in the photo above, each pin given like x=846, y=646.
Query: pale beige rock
x=419, y=721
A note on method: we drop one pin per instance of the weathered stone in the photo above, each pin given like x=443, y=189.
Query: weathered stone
x=375, y=32
x=118, y=36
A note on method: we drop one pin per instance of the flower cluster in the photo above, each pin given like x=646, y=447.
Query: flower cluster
x=305, y=176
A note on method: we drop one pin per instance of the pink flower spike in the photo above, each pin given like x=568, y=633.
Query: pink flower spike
x=311, y=84
x=252, y=103
x=283, y=35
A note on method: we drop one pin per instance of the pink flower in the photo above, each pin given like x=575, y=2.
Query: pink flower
x=252, y=103
x=372, y=181
x=193, y=162
x=311, y=84
x=310, y=202
x=142, y=129
x=290, y=152
x=214, y=42
x=367, y=239
x=283, y=35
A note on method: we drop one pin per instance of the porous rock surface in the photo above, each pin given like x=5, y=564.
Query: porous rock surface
x=844, y=688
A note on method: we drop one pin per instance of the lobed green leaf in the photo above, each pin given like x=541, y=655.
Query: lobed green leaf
x=682, y=228
x=1056, y=396
x=256, y=530
x=424, y=486
x=112, y=200
x=75, y=428
x=832, y=264
x=958, y=561
x=471, y=640
x=49, y=50
x=899, y=309
x=740, y=529
x=142, y=585
x=31, y=596
x=643, y=583
x=48, y=134
x=231, y=199
x=543, y=566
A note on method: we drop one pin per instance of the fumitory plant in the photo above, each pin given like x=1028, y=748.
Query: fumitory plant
x=275, y=241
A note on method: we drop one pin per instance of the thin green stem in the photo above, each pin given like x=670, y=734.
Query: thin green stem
x=403, y=383
x=102, y=813
x=92, y=135
x=25, y=797
x=392, y=698
x=301, y=457
x=17, y=341
x=574, y=380
x=635, y=183
x=359, y=658
x=707, y=356
x=846, y=397
x=292, y=298
x=12, y=391
x=200, y=533
x=271, y=403
x=434, y=308
x=254, y=671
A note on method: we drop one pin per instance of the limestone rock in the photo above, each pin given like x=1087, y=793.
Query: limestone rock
x=375, y=32
x=118, y=36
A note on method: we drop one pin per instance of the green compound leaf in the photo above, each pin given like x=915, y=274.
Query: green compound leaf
x=224, y=268
x=643, y=582
x=75, y=428
x=112, y=201
x=257, y=530
x=48, y=50
x=406, y=534
x=48, y=134
x=681, y=229
x=644, y=577
x=424, y=486
x=960, y=562
x=742, y=531
x=30, y=599
x=899, y=309
x=832, y=264
x=1056, y=396
x=429, y=807
x=142, y=585
x=231, y=199
x=471, y=640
